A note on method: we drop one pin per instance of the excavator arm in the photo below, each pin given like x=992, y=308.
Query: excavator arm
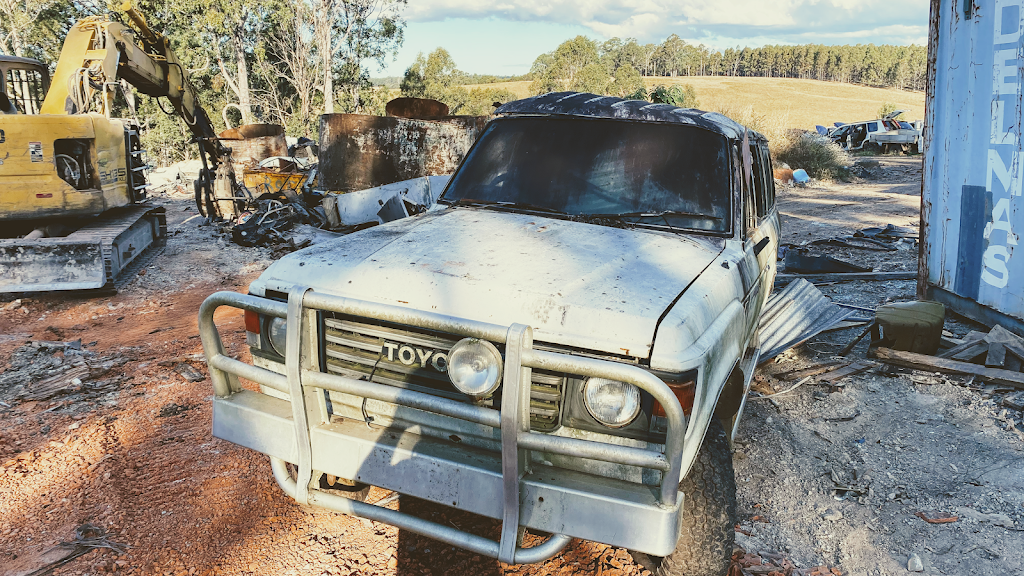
x=98, y=53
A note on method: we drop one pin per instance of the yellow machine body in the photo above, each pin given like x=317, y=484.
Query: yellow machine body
x=30, y=186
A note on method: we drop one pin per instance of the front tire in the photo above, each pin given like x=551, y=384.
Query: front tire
x=709, y=514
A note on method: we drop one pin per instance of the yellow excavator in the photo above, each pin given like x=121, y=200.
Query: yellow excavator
x=72, y=177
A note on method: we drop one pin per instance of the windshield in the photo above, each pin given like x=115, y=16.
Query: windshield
x=662, y=175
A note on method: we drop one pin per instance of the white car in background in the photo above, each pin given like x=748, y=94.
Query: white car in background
x=879, y=135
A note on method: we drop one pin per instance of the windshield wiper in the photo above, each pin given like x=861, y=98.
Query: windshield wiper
x=662, y=215
x=513, y=205
x=623, y=218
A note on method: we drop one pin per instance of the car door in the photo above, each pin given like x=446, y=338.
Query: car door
x=755, y=242
x=767, y=222
x=764, y=224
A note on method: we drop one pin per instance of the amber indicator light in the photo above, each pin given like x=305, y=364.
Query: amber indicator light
x=252, y=321
x=684, y=391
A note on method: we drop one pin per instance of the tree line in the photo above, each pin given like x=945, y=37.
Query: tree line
x=901, y=67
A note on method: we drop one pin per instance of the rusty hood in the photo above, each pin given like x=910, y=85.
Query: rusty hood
x=578, y=284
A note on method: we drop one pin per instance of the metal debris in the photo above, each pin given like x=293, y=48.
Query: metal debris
x=801, y=263
x=796, y=314
x=388, y=202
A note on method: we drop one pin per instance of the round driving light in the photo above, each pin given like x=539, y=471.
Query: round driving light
x=474, y=367
x=612, y=403
x=277, y=333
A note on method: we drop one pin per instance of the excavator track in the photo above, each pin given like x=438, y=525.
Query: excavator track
x=101, y=254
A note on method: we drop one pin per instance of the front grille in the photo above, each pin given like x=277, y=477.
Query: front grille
x=408, y=358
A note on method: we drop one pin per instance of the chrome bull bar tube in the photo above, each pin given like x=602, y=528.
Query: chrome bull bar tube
x=440, y=532
x=304, y=382
x=225, y=381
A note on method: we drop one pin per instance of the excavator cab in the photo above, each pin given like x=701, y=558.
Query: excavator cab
x=25, y=82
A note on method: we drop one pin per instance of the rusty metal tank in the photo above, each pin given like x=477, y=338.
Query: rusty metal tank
x=250, y=143
x=359, y=151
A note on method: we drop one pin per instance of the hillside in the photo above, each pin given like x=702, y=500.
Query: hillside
x=791, y=102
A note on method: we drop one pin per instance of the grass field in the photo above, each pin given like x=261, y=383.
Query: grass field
x=787, y=102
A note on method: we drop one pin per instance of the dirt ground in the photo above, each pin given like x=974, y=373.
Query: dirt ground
x=828, y=475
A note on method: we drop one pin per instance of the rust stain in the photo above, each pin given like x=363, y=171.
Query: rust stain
x=358, y=151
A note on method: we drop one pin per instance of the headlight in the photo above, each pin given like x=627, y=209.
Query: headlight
x=612, y=403
x=474, y=367
x=277, y=333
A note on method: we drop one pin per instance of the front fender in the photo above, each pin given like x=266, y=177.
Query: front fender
x=714, y=354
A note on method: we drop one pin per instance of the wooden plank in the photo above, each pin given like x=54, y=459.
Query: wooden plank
x=784, y=279
x=1011, y=362
x=996, y=355
x=970, y=340
x=971, y=352
x=947, y=342
x=811, y=371
x=855, y=368
x=1014, y=401
x=936, y=364
x=1004, y=336
x=54, y=385
x=1014, y=357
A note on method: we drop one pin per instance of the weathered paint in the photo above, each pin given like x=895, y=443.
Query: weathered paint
x=358, y=151
x=569, y=280
x=259, y=180
x=972, y=213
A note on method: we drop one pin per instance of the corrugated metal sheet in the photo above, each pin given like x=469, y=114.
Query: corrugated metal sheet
x=794, y=315
x=972, y=213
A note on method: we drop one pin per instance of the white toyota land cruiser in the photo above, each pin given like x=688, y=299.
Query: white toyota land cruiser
x=564, y=343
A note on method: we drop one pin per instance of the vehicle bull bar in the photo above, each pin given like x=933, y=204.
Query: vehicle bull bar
x=303, y=381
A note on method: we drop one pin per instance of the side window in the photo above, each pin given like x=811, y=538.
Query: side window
x=25, y=89
x=769, y=198
x=759, y=180
x=747, y=195
x=872, y=126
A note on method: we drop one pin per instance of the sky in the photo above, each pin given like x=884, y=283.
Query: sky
x=503, y=37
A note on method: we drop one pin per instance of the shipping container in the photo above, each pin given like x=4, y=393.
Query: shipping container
x=971, y=212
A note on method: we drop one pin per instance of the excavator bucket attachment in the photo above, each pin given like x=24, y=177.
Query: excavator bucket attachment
x=93, y=256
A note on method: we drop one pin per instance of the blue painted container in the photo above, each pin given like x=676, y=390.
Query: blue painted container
x=972, y=212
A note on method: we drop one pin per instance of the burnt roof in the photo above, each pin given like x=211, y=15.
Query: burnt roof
x=18, y=60
x=588, y=105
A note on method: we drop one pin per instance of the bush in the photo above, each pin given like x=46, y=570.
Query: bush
x=819, y=156
x=887, y=108
x=773, y=127
x=481, y=101
x=683, y=95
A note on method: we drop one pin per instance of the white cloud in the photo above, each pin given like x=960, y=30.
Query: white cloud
x=780, y=21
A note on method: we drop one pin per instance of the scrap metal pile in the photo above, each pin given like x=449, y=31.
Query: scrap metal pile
x=275, y=187
x=366, y=170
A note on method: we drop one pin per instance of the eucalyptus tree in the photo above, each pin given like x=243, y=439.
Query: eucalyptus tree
x=347, y=32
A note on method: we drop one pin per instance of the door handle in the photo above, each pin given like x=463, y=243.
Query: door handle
x=761, y=245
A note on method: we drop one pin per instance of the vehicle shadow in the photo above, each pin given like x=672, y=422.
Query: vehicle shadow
x=417, y=554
